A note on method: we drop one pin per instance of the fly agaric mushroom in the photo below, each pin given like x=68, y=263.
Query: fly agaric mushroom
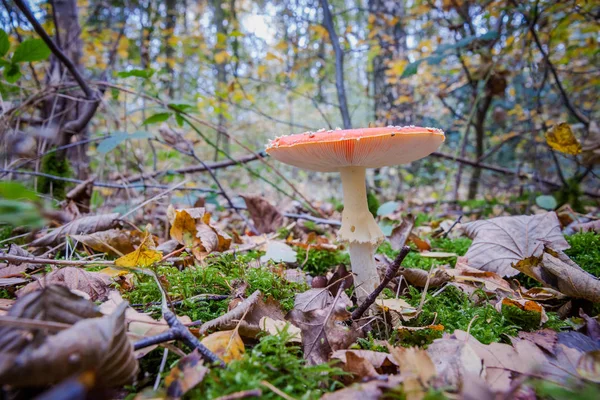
x=351, y=152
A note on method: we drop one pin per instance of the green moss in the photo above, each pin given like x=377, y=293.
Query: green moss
x=5, y=294
x=458, y=245
x=215, y=278
x=273, y=360
x=54, y=165
x=585, y=251
x=454, y=310
x=319, y=262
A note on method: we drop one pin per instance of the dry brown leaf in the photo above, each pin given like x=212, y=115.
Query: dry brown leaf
x=545, y=338
x=556, y=270
x=401, y=232
x=500, y=242
x=265, y=216
x=588, y=366
x=15, y=270
x=323, y=329
x=490, y=282
x=313, y=299
x=84, y=225
x=418, y=277
x=354, y=362
x=416, y=367
x=115, y=242
x=373, y=390
x=192, y=228
x=91, y=343
x=454, y=362
x=227, y=345
x=93, y=284
x=188, y=373
x=234, y=315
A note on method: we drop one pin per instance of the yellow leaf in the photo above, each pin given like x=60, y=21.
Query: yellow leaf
x=144, y=256
x=113, y=272
x=561, y=138
x=320, y=31
x=228, y=345
x=270, y=56
x=221, y=56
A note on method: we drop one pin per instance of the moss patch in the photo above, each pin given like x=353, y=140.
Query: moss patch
x=585, y=251
x=54, y=165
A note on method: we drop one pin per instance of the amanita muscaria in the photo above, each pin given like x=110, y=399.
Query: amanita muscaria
x=350, y=152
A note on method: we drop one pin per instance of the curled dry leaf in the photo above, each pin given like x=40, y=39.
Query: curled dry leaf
x=418, y=277
x=116, y=242
x=227, y=345
x=265, y=216
x=99, y=344
x=188, y=373
x=94, y=284
x=366, y=363
x=500, y=242
x=455, y=361
x=556, y=270
x=84, y=225
x=192, y=228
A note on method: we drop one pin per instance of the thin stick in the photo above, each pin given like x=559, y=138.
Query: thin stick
x=36, y=260
x=163, y=362
x=277, y=391
x=150, y=200
x=241, y=395
x=390, y=273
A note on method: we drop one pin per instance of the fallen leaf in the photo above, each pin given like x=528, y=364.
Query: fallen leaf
x=265, y=216
x=556, y=270
x=561, y=138
x=274, y=327
x=398, y=308
x=227, y=345
x=373, y=390
x=421, y=244
x=143, y=257
x=490, y=282
x=401, y=232
x=84, y=225
x=589, y=366
x=500, y=242
x=113, y=241
x=438, y=254
x=188, y=373
x=418, y=277
x=377, y=359
x=416, y=367
x=454, y=361
x=94, y=343
x=323, y=328
x=94, y=284
x=279, y=252
x=545, y=338
x=16, y=269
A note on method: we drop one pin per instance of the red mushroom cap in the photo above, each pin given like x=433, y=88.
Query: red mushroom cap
x=328, y=151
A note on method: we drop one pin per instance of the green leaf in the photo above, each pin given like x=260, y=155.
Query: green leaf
x=387, y=208
x=139, y=73
x=31, y=50
x=111, y=143
x=20, y=213
x=411, y=69
x=546, y=202
x=181, y=107
x=4, y=63
x=179, y=119
x=156, y=118
x=4, y=43
x=12, y=73
x=15, y=191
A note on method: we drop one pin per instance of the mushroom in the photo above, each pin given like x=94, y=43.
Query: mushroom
x=350, y=152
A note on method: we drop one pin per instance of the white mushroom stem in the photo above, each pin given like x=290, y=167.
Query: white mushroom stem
x=360, y=231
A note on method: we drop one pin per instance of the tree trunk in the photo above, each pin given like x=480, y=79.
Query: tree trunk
x=481, y=113
x=219, y=23
x=59, y=110
x=391, y=38
x=170, y=24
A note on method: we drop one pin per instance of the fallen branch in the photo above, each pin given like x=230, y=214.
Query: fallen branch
x=200, y=297
x=390, y=273
x=35, y=260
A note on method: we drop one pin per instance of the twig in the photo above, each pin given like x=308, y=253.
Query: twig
x=37, y=260
x=445, y=235
x=163, y=362
x=178, y=331
x=241, y=395
x=277, y=391
x=169, y=190
x=200, y=297
x=390, y=273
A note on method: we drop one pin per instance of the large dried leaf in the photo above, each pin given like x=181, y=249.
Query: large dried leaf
x=14, y=270
x=265, y=216
x=94, y=284
x=188, y=373
x=365, y=363
x=401, y=232
x=323, y=329
x=113, y=241
x=38, y=359
x=556, y=270
x=416, y=367
x=227, y=345
x=84, y=225
x=500, y=242
x=192, y=228
x=454, y=362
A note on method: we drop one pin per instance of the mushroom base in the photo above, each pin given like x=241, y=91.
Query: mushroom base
x=366, y=278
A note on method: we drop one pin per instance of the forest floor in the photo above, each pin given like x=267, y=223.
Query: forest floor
x=485, y=303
